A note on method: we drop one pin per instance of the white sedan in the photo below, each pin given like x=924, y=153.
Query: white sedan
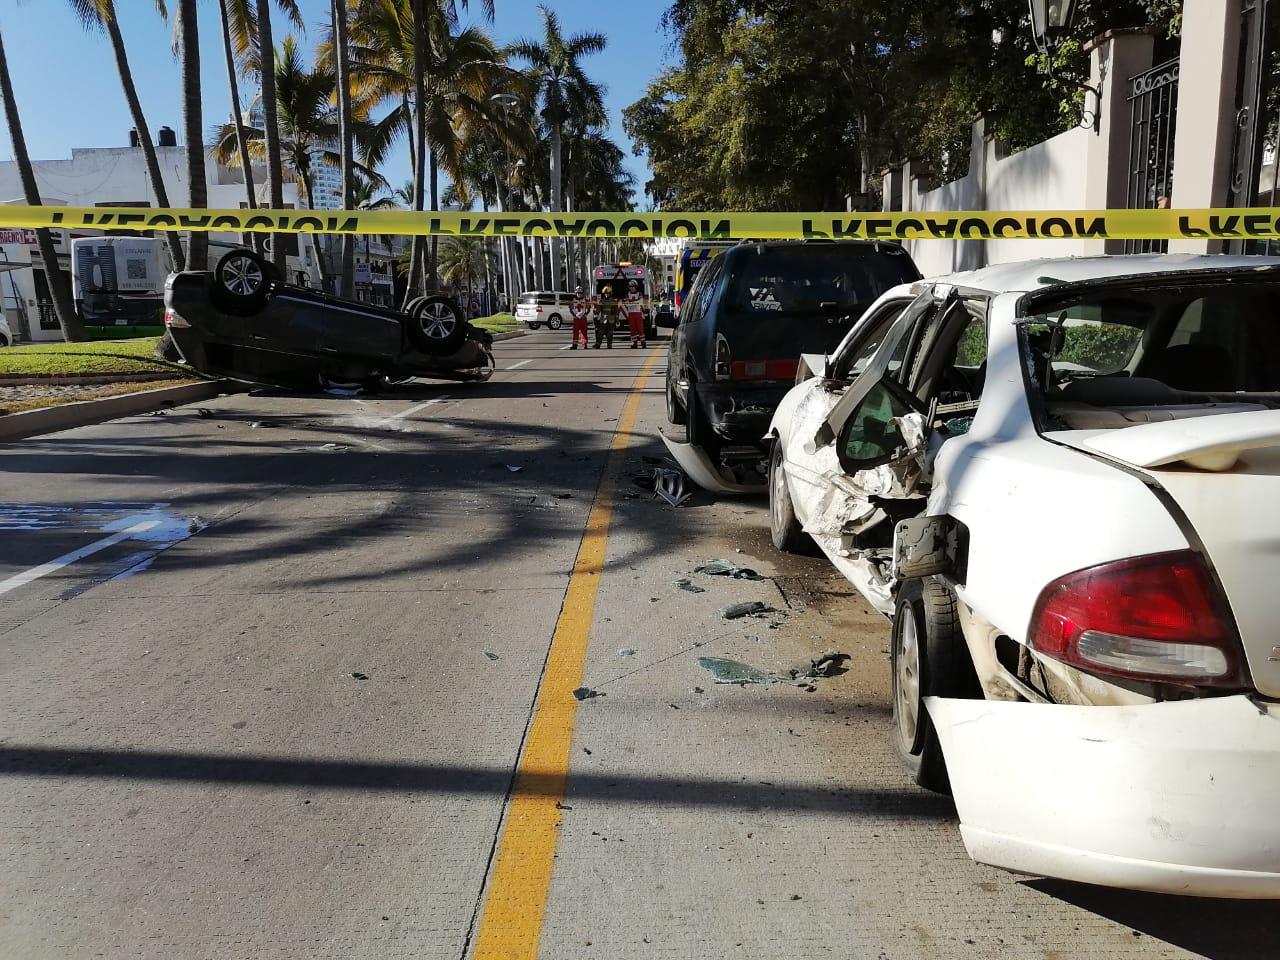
x=1059, y=479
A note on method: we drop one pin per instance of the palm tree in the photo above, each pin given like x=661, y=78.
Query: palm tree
x=306, y=119
x=72, y=329
x=564, y=90
x=101, y=15
x=342, y=50
x=396, y=45
x=239, y=44
x=193, y=128
x=267, y=71
x=463, y=260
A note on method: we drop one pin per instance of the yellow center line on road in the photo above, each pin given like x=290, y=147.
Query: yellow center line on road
x=511, y=926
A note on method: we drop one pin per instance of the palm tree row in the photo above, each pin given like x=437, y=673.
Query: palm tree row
x=518, y=128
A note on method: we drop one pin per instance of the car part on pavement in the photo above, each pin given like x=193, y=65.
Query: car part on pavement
x=695, y=462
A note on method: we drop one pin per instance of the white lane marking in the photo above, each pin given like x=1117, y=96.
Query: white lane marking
x=516, y=366
x=35, y=573
x=567, y=346
x=412, y=410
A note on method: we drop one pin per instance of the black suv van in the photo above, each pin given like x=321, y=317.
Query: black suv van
x=750, y=314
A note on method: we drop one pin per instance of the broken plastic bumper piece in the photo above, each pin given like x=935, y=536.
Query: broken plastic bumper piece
x=1175, y=797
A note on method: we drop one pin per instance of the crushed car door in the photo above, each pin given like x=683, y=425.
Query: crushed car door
x=832, y=500
x=806, y=464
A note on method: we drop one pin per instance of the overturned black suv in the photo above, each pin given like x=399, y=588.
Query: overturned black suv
x=241, y=321
x=750, y=314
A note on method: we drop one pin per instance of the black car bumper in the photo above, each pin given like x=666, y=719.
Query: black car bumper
x=738, y=412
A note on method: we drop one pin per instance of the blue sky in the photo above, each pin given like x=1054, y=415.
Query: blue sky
x=69, y=94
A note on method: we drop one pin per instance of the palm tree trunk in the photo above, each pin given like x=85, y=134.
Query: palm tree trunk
x=556, y=201
x=72, y=329
x=419, y=134
x=346, y=283
x=433, y=261
x=237, y=115
x=193, y=128
x=271, y=127
x=144, y=133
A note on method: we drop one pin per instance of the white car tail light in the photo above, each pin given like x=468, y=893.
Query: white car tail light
x=171, y=319
x=1157, y=618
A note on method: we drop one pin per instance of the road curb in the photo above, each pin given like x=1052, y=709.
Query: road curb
x=30, y=423
x=64, y=380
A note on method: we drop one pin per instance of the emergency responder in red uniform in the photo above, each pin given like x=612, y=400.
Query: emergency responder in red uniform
x=580, y=310
x=633, y=307
x=606, y=315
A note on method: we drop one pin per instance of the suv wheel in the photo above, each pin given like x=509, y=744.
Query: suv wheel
x=929, y=659
x=436, y=325
x=555, y=321
x=242, y=280
x=675, y=410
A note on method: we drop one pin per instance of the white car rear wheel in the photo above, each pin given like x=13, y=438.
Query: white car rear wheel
x=929, y=659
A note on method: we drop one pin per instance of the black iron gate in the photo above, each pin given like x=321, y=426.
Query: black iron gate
x=1153, y=98
x=1257, y=134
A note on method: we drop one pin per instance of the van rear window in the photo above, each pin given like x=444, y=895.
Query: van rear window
x=815, y=279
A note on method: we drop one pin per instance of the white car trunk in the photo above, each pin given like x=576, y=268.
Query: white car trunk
x=1230, y=501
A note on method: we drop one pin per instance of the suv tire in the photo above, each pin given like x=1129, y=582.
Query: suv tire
x=242, y=280
x=675, y=409
x=436, y=325
x=555, y=321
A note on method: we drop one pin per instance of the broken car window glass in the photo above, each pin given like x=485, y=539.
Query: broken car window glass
x=872, y=434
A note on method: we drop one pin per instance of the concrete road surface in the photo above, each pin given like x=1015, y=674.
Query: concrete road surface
x=269, y=670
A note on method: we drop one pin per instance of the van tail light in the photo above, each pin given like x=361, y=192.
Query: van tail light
x=724, y=358
x=171, y=319
x=764, y=369
x=1158, y=618
x=679, y=298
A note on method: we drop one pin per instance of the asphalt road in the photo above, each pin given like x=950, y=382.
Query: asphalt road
x=268, y=673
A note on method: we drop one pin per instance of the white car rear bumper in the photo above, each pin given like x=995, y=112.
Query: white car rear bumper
x=1177, y=797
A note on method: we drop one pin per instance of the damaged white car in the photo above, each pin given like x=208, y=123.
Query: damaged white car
x=1059, y=479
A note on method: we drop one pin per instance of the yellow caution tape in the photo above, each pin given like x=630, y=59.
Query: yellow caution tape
x=1225, y=223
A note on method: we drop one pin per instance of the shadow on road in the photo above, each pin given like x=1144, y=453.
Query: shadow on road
x=1217, y=929
x=691, y=792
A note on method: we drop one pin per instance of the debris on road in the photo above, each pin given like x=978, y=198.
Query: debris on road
x=667, y=482
x=829, y=663
x=723, y=568
x=688, y=586
x=491, y=655
x=747, y=608
x=359, y=676
x=509, y=467
x=626, y=652
x=204, y=412
x=586, y=693
x=723, y=670
x=332, y=447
